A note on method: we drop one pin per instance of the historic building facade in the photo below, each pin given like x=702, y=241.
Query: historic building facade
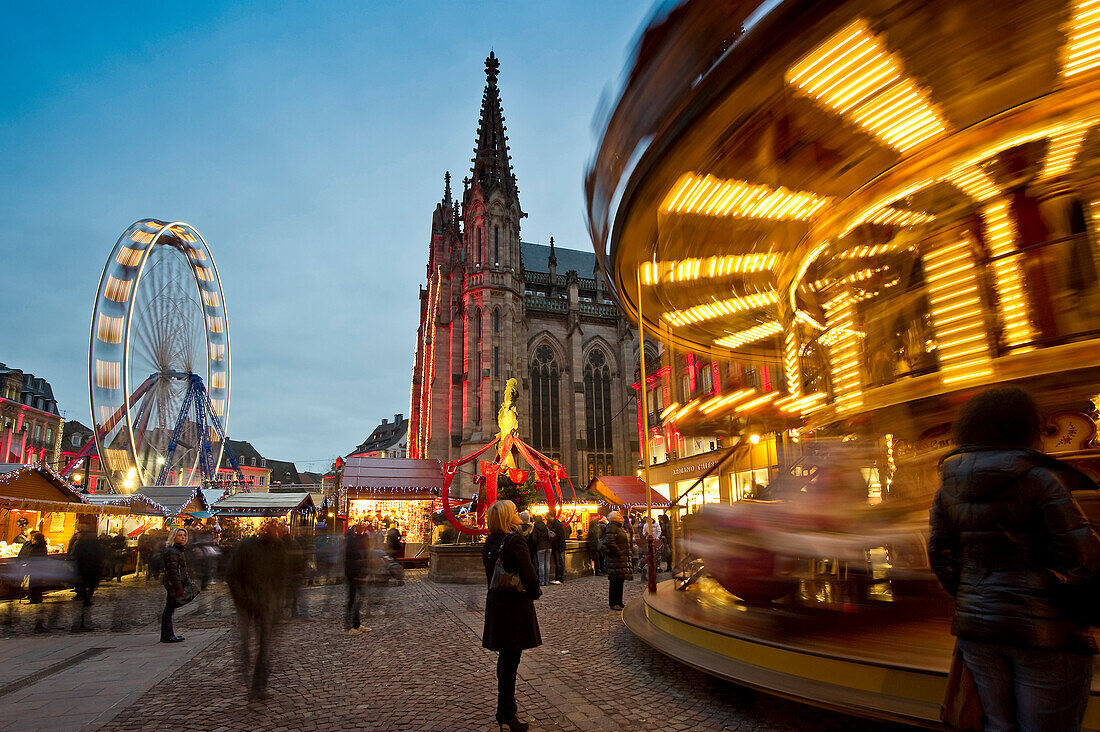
x=496, y=307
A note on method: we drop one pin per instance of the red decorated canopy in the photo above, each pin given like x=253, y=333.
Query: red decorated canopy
x=548, y=474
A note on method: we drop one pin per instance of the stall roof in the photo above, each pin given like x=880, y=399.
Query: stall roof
x=175, y=499
x=135, y=503
x=213, y=495
x=263, y=504
x=625, y=490
x=37, y=488
x=392, y=473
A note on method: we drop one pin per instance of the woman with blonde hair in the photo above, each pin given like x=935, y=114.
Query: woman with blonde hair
x=510, y=621
x=175, y=579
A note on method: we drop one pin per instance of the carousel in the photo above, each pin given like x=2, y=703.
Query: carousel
x=878, y=210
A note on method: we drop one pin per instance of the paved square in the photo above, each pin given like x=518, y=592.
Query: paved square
x=421, y=667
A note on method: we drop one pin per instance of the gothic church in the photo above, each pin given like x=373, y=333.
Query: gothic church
x=497, y=307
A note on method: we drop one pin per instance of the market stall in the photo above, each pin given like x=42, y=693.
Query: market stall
x=250, y=510
x=394, y=489
x=35, y=498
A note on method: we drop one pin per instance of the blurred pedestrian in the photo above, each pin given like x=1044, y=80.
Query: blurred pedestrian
x=1007, y=539
x=541, y=538
x=257, y=576
x=119, y=550
x=296, y=563
x=356, y=569
x=592, y=543
x=86, y=553
x=175, y=579
x=557, y=548
x=666, y=541
x=33, y=553
x=616, y=547
x=510, y=621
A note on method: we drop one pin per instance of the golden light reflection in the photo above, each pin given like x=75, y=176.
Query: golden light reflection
x=961, y=346
x=756, y=333
x=686, y=270
x=790, y=361
x=973, y=181
x=1000, y=233
x=1062, y=152
x=1082, y=49
x=719, y=308
x=853, y=74
x=844, y=355
x=711, y=196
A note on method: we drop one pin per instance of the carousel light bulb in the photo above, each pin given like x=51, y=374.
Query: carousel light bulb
x=754, y=439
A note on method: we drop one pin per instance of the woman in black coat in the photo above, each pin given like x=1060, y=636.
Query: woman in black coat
x=1006, y=540
x=620, y=564
x=510, y=621
x=175, y=578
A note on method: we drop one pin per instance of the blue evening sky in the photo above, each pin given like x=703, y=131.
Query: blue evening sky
x=307, y=142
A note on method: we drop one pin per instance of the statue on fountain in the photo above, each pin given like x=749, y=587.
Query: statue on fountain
x=508, y=421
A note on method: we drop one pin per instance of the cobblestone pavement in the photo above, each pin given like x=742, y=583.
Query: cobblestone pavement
x=421, y=667
x=127, y=606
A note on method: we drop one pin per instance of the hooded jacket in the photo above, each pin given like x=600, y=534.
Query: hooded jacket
x=1005, y=533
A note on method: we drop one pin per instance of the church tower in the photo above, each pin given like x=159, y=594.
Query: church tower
x=496, y=308
x=493, y=292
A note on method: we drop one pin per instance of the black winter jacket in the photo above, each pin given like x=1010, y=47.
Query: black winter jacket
x=1002, y=524
x=615, y=545
x=542, y=536
x=175, y=569
x=558, y=542
x=510, y=621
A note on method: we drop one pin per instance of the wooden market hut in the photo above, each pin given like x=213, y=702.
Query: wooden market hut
x=46, y=499
x=297, y=508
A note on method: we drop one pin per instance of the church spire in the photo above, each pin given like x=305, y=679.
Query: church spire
x=492, y=163
x=447, y=191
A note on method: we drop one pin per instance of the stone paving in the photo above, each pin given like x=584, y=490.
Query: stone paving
x=421, y=667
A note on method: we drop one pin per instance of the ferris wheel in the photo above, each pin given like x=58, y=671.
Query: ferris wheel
x=158, y=359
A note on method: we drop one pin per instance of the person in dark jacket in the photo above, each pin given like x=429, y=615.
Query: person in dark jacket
x=592, y=543
x=175, y=578
x=258, y=575
x=511, y=625
x=86, y=552
x=394, y=546
x=540, y=537
x=119, y=549
x=34, y=553
x=1006, y=536
x=666, y=540
x=615, y=546
x=356, y=570
x=557, y=548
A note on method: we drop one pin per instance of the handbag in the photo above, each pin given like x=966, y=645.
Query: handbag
x=962, y=707
x=503, y=580
x=190, y=592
